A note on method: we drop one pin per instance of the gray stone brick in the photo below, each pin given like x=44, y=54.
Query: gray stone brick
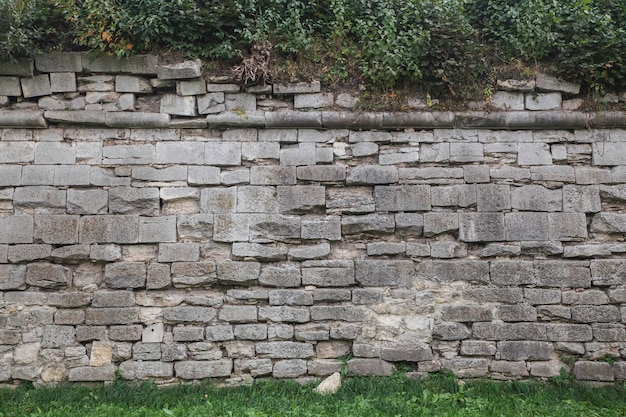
x=255, y=199
x=219, y=333
x=10, y=86
x=301, y=199
x=125, y=333
x=179, y=252
x=113, y=299
x=16, y=229
x=594, y=371
x=147, y=173
x=371, y=224
x=448, y=250
x=37, y=86
x=596, y=314
x=17, y=152
x=608, y=223
x=500, y=249
x=567, y=226
x=526, y=226
x=402, y=198
x=524, y=350
x=105, y=177
x=218, y=200
x=92, y=373
x=342, y=313
x=466, y=313
x=608, y=332
x=193, y=274
x=590, y=297
x=384, y=248
x=560, y=173
x=287, y=350
x=251, y=331
x=450, y=271
x=111, y=316
x=481, y=227
x=337, y=273
x=435, y=152
x=222, y=154
x=328, y=227
x=369, y=367
x=56, y=229
x=349, y=200
x=466, y=152
x=516, y=313
x=50, y=153
x=12, y=277
x=536, y=198
x=364, y=149
x=509, y=331
x=192, y=153
x=609, y=153
x=367, y=296
x=454, y=196
x=129, y=154
x=253, y=151
x=202, y=315
x=203, y=175
x=440, y=222
x=491, y=197
x=260, y=252
x=71, y=175
x=285, y=314
x=534, y=154
x=304, y=253
x=608, y=271
x=238, y=314
x=238, y=273
x=577, y=198
x=290, y=297
x=125, y=275
x=44, y=200
x=12, y=175
x=87, y=201
x=272, y=175
x=158, y=229
x=478, y=348
x=512, y=272
x=563, y=274
x=586, y=176
x=178, y=105
x=409, y=224
x=372, y=174
x=451, y=331
x=46, y=275
x=284, y=275
x=203, y=369
x=418, y=250
x=231, y=227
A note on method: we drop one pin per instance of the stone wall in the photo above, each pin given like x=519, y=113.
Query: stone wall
x=157, y=226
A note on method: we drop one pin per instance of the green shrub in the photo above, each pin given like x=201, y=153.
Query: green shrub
x=27, y=28
x=125, y=27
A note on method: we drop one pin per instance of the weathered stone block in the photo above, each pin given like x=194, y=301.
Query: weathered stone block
x=522, y=226
x=402, y=198
x=372, y=174
x=46, y=275
x=238, y=314
x=492, y=197
x=203, y=369
x=385, y=273
x=92, y=374
x=337, y=273
x=596, y=314
x=562, y=274
x=239, y=273
x=37, y=86
x=512, y=272
x=287, y=350
x=16, y=229
x=342, y=313
x=369, y=367
x=125, y=275
x=222, y=154
x=536, y=198
x=370, y=224
x=112, y=228
x=260, y=252
x=450, y=271
x=594, y=371
x=157, y=229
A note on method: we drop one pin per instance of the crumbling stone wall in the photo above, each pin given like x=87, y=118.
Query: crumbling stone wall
x=158, y=226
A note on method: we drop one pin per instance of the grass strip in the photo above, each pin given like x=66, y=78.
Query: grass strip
x=437, y=395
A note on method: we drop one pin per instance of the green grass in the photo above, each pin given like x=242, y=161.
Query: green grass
x=438, y=395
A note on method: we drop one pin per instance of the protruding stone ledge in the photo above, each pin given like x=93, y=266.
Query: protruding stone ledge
x=424, y=120
x=139, y=64
x=349, y=120
x=22, y=119
x=230, y=119
x=540, y=120
x=21, y=68
x=140, y=120
x=293, y=119
x=80, y=117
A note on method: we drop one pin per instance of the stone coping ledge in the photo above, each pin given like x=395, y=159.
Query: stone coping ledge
x=517, y=120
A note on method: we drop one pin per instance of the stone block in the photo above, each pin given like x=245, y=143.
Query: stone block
x=536, y=198
x=231, y=227
x=200, y=315
x=512, y=272
x=179, y=252
x=516, y=313
x=337, y=273
x=478, y=348
x=111, y=316
x=256, y=199
x=440, y=222
x=297, y=88
x=384, y=273
x=543, y=101
x=549, y=83
x=402, y=198
x=129, y=154
x=481, y=227
x=284, y=314
x=219, y=333
x=238, y=273
x=10, y=86
x=285, y=350
x=16, y=229
x=125, y=275
x=46, y=275
x=301, y=199
x=370, y=224
x=567, y=226
x=157, y=229
x=451, y=331
x=466, y=313
x=272, y=175
x=585, y=199
x=113, y=299
x=596, y=314
x=507, y=100
x=37, y=86
x=608, y=271
x=222, y=154
x=180, y=153
x=181, y=70
x=251, y=331
x=369, y=367
x=17, y=152
x=594, y=371
x=492, y=197
x=560, y=173
x=238, y=314
x=608, y=223
x=351, y=314
x=203, y=369
x=260, y=252
x=466, y=152
x=285, y=275
x=573, y=274
x=372, y=175
x=211, y=103
x=87, y=201
x=56, y=229
x=526, y=226
x=534, y=154
x=588, y=176
x=193, y=274
x=256, y=367
x=92, y=374
x=450, y=271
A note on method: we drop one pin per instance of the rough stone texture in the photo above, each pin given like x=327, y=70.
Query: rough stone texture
x=139, y=237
